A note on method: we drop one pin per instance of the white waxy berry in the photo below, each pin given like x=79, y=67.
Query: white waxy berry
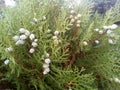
x=85, y=43
x=23, y=37
x=114, y=26
x=101, y=32
x=79, y=15
x=71, y=16
x=47, y=54
x=55, y=37
x=32, y=50
x=22, y=30
x=34, y=44
x=72, y=20
x=105, y=27
x=47, y=61
x=96, y=29
x=56, y=33
x=16, y=38
x=19, y=42
x=72, y=11
x=27, y=33
x=77, y=25
x=76, y=17
x=78, y=21
x=36, y=40
x=110, y=41
x=44, y=17
x=6, y=62
x=35, y=19
x=109, y=31
x=10, y=49
x=47, y=69
x=116, y=80
x=97, y=42
x=45, y=72
x=45, y=65
x=32, y=36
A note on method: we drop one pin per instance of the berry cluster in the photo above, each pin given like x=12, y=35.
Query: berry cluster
x=55, y=38
x=109, y=31
x=24, y=36
x=46, y=64
x=75, y=18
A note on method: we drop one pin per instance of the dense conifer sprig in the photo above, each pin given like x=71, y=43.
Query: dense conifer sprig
x=60, y=46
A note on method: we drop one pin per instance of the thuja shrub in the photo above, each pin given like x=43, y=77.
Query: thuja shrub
x=59, y=45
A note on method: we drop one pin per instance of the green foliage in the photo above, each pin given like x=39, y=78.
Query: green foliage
x=77, y=62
